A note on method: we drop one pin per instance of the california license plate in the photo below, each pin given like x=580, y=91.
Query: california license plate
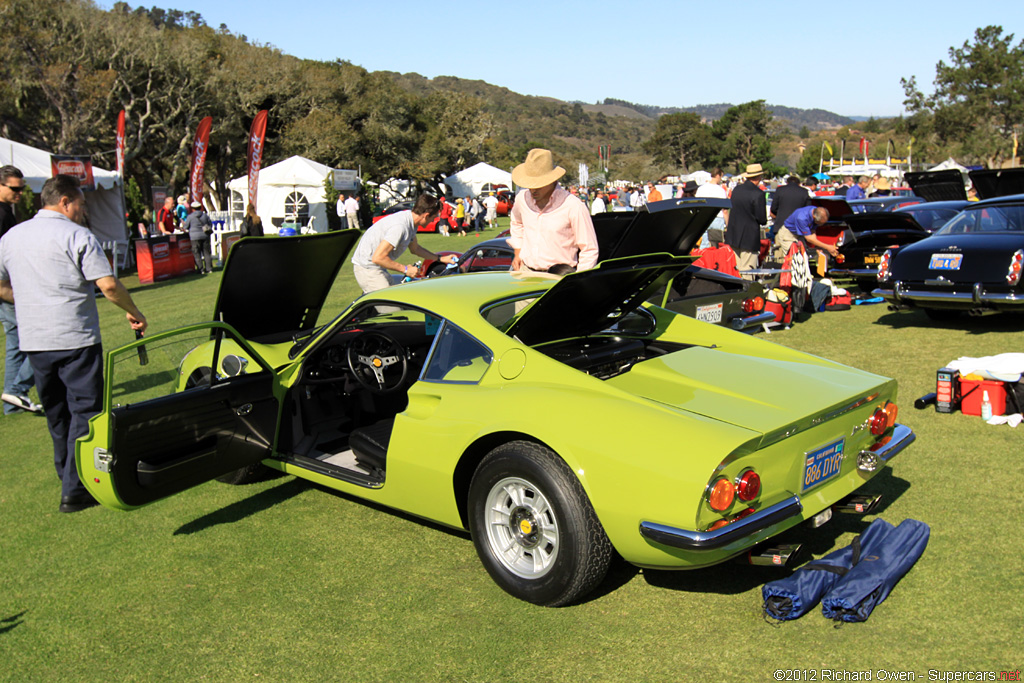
x=823, y=463
x=870, y=259
x=712, y=313
x=945, y=262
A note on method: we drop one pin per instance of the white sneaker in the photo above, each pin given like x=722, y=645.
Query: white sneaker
x=23, y=402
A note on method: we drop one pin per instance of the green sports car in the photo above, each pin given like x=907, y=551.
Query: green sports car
x=557, y=419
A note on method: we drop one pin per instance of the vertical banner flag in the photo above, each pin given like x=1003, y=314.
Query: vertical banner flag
x=864, y=144
x=119, y=148
x=199, y=160
x=257, y=133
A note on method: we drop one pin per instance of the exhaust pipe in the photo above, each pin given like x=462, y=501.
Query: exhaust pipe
x=779, y=555
x=858, y=505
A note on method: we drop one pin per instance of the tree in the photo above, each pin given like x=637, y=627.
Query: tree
x=978, y=100
x=679, y=141
x=744, y=135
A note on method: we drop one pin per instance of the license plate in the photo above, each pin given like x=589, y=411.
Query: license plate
x=945, y=262
x=712, y=313
x=823, y=463
x=872, y=258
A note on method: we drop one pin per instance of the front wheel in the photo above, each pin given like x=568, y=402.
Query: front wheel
x=534, y=528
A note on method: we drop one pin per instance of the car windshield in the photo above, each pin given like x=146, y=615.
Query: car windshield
x=1009, y=218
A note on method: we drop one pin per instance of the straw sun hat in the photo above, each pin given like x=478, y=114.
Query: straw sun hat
x=538, y=170
x=753, y=170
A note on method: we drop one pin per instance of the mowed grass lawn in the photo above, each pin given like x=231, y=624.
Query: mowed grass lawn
x=284, y=581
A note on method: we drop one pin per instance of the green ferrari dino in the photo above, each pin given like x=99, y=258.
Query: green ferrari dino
x=556, y=419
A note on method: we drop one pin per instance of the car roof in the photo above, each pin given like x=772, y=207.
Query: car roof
x=1009, y=199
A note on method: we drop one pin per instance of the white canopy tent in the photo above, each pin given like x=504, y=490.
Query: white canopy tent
x=947, y=164
x=469, y=181
x=290, y=191
x=857, y=170
x=103, y=205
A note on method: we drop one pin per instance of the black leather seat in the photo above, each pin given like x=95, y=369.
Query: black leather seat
x=370, y=444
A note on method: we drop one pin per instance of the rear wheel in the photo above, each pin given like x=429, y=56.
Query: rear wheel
x=533, y=526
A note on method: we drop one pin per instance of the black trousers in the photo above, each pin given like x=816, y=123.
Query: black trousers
x=70, y=385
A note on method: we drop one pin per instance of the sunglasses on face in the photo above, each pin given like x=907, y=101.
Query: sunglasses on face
x=15, y=188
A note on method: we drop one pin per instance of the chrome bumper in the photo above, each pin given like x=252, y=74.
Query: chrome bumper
x=902, y=436
x=752, y=320
x=976, y=297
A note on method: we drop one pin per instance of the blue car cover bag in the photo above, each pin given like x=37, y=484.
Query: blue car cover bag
x=882, y=565
x=797, y=594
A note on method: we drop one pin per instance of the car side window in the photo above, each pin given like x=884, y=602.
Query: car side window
x=457, y=357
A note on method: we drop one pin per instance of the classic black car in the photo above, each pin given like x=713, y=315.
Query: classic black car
x=672, y=226
x=862, y=238
x=972, y=264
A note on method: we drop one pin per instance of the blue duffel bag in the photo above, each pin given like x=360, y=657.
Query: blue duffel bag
x=880, y=568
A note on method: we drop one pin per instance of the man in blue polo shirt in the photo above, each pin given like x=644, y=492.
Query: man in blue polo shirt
x=858, y=191
x=802, y=225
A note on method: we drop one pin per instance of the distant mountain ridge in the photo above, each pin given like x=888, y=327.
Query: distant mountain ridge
x=814, y=119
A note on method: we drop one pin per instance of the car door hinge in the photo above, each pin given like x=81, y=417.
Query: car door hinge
x=101, y=459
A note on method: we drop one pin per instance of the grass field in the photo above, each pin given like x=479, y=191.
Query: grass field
x=283, y=581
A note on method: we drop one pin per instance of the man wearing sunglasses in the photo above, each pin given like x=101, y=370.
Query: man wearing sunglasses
x=18, y=377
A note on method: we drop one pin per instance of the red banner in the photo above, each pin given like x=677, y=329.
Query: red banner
x=78, y=167
x=257, y=133
x=864, y=144
x=199, y=160
x=119, y=149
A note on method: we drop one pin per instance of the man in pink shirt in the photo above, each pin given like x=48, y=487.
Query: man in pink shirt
x=551, y=229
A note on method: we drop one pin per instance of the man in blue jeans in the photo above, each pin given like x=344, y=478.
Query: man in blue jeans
x=17, y=370
x=48, y=265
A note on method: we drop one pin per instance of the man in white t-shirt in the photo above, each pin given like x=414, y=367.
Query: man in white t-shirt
x=713, y=188
x=387, y=239
x=491, y=204
x=352, y=212
x=340, y=210
x=598, y=206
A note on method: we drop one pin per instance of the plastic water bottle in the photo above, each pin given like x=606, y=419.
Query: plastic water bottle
x=986, y=407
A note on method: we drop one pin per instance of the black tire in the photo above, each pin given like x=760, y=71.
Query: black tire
x=942, y=314
x=554, y=524
x=250, y=474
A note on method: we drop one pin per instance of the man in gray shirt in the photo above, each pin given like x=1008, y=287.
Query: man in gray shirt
x=49, y=264
x=387, y=239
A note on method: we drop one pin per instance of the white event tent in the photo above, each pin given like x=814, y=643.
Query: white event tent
x=469, y=181
x=289, y=191
x=103, y=205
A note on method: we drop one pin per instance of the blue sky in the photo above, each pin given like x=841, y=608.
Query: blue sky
x=847, y=57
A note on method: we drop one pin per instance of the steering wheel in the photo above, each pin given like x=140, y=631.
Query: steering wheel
x=378, y=361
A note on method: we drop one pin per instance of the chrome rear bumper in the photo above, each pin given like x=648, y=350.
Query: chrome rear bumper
x=976, y=297
x=902, y=436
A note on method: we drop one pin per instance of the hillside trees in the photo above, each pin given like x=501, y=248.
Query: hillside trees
x=978, y=101
x=680, y=140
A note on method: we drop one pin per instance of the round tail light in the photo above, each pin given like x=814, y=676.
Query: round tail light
x=753, y=305
x=891, y=412
x=748, y=486
x=883, y=265
x=721, y=495
x=1016, y=263
x=878, y=422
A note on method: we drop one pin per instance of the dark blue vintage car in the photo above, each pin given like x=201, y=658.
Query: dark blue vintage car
x=973, y=263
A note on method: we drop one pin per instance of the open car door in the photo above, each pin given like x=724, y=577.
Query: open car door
x=180, y=408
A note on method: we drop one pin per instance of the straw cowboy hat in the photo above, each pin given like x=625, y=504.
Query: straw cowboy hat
x=882, y=184
x=753, y=170
x=537, y=171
